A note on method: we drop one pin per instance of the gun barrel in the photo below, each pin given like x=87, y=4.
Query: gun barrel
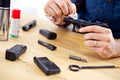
x=83, y=22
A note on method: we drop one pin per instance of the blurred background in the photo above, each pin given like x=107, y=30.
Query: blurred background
x=34, y=7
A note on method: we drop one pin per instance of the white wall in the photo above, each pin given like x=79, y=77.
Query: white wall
x=35, y=7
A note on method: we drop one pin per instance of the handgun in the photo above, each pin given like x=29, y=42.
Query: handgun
x=83, y=23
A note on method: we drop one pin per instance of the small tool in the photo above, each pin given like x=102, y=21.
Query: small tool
x=77, y=67
x=77, y=58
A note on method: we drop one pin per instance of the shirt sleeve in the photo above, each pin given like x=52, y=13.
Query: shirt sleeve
x=78, y=3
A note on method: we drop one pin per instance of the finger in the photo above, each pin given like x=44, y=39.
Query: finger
x=97, y=36
x=56, y=9
x=98, y=44
x=102, y=52
x=49, y=11
x=63, y=6
x=96, y=29
x=71, y=7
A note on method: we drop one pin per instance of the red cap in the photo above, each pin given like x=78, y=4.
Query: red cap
x=16, y=13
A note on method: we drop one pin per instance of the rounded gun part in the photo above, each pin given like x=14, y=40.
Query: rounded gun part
x=29, y=25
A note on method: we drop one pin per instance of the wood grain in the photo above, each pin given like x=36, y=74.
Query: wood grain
x=67, y=43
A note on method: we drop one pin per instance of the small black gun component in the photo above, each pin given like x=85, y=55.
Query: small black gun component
x=48, y=34
x=29, y=25
x=47, y=45
x=14, y=52
x=47, y=66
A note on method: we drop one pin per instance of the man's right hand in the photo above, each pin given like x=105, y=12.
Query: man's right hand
x=58, y=9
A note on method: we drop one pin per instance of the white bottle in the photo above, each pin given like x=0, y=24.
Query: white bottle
x=15, y=23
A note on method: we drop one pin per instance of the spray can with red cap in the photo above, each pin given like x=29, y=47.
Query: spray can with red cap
x=15, y=23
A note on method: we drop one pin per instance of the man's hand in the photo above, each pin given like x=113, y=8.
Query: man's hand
x=57, y=9
x=101, y=40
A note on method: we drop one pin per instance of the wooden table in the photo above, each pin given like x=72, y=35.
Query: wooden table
x=67, y=43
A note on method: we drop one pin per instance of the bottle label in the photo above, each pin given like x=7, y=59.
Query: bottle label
x=14, y=27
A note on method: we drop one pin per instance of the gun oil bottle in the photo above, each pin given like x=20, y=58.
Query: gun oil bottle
x=15, y=23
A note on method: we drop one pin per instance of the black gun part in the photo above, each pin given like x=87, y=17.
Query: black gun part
x=46, y=65
x=29, y=25
x=48, y=34
x=47, y=45
x=83, y=23
x=79, y=22
x=14, y=52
